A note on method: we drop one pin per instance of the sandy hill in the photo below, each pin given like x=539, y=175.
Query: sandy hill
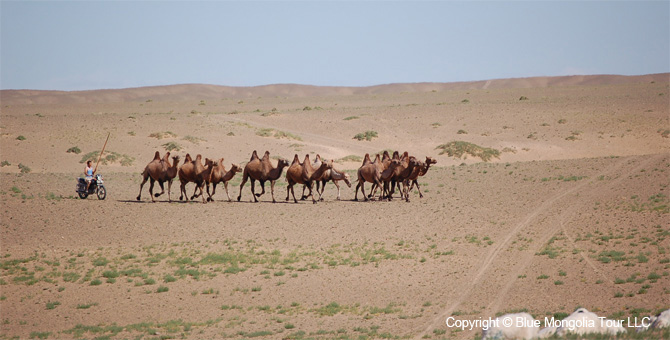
x=207, y=92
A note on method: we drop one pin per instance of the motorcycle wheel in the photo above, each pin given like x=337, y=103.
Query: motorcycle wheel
x=82, y=194
x=101, y=192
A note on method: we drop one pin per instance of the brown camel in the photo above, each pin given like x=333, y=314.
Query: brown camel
x=304, y=174
x=423, y=169
x=262, y=170
x=162, y=171
x=373, y=173
x=218, y=174
x=193, y=171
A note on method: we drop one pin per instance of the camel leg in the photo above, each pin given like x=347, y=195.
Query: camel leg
x=381, y=194
x=373, y=190
x=151, y=189
x=194, y=191
x=225, y=186
x=323, y=187
x=303, y=193
x=291, y=187
x=338, y=189
x=262, y=187
x=311, y=185
x=202, y=192
x=213, y=192
x=139, y=196
x=418, y=187
x=169, y=190
x=244, y=180
x=253, y=189
x=160, y=183
x=365, y=197
x=182, y=191
x=272, y=191
x=288, y=190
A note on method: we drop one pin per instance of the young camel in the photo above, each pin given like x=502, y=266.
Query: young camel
x=262, y=170
x=193, y=171
x=162, y=171
x=218, y=174
x=335, y=176
x=373, y=173
x=305, y=174
x=422, y=172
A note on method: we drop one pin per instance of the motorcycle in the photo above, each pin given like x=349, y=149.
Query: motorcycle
x=96, y=187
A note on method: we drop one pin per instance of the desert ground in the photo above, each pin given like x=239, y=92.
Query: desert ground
x=572, y=213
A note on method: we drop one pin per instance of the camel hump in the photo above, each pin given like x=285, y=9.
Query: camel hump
x=306, y=159
x=296, y=159
x=188, y=158
x=266, y=156
x=254, y=155
x=377, y=160
x=396, y=154
x=157, y=156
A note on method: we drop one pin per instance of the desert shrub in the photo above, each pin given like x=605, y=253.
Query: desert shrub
x=5, y=163
x=21, y=137
x=367, y=135
x=74, y=150
x=459, y=148
x=350, y=158
x=465, y=101
x=165, y=134
x=111, y=157
x=462, y=132
x=562, y=121
x=277, y=134
x=664, y=133
x=351, y=117
x=523, y=98
x=24, y=168
x=194, y=140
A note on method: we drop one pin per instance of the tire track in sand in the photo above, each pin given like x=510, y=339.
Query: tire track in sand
x=546, y=208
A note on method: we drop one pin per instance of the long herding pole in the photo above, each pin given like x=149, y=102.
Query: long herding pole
x=103, y=150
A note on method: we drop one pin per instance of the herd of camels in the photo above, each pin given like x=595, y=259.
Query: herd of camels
x=385, y=173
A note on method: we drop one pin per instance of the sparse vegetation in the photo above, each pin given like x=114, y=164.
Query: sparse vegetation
x=21, y=137
x=351, y=117
x=266, y=132
x=367, y=135
x=164, y=134
x=74, y=150
x=110, y=157
x=459, y=149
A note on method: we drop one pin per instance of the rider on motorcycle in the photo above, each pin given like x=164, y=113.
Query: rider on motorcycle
x=89, y=172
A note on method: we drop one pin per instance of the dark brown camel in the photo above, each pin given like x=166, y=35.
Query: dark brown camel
x=193, y=171
x=162, y=171
x=422, y=172
x=305, y=174
x=373, y=173
x=262, y=170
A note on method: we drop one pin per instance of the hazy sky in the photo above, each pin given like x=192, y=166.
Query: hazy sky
x=59, y=45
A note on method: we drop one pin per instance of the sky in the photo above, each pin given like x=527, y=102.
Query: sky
x=77, y=45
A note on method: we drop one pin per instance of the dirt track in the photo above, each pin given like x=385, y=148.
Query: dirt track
x=538, y=229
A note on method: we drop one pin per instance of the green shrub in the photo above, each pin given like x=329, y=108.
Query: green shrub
x=367, y=135
x=21, y=137
x=172, y=146
x=74, y=150
x=459, y=148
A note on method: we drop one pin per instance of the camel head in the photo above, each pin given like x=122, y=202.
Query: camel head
x=175, y=160
x=430, y=160
x=235, y=168
x=414, y=162
x=347, y=179
x=282, y=163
